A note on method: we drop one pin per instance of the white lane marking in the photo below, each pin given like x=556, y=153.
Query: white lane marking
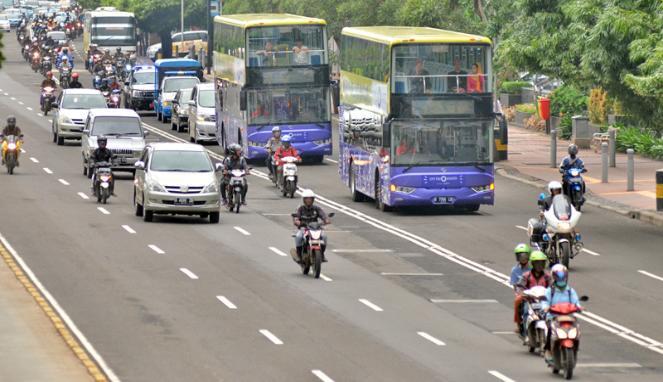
x=6, y=94
x=321, y=376
x=29, y=108
x=370, y=305
x=331, y=160
x=590, y=252
x=431, y=339
x=63, y=181
x=463, y=301
x=23, y=151
x=278, y=251
x=242, y=231
x=504, y=333
x=50, y=121
x=269, y=214
x=20, y=103
x=445, y=253
x=40, y=114
x=82, y=195
x=61, y=313
x=325, y=277
x=622, y=365
x=500, y=376
x=156, y=249
x=128, y=229
x=47, y=170
x=13, y=98
x=521, y=227
x=362, y=250
x=189, y=273
x=103, y=210
x=659, y=278
x=35, y=160
x=271, y=336
x=410, y=274
x=226, y=302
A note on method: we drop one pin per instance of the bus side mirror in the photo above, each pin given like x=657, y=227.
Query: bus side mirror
x=242, y=100
x=386, y=134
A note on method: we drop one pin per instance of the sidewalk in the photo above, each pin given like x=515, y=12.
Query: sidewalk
x=529, y=157
x=32, y=350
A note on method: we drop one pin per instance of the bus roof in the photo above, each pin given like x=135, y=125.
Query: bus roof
x=412, y=35
x=176, y=63
x=248, y=20
x=110, y=14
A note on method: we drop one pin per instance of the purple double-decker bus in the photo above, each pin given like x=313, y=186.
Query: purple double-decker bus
x=416, y=117
x=272, y=70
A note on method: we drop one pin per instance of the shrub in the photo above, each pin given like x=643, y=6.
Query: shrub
x=598, y=106
x=512, y=87
x=529, y=108
x=642, y=141
x=510, y=113
x=566, y=126
x=568, y=99
x=535, y=122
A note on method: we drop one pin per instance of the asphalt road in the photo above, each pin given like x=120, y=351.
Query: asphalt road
x=180, y=299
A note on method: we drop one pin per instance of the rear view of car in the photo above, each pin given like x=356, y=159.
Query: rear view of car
x=72, y=111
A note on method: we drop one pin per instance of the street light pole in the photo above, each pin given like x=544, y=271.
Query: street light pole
x=182, y=19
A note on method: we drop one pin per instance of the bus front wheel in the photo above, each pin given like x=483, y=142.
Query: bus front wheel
x=356, y=195
x=379, y=204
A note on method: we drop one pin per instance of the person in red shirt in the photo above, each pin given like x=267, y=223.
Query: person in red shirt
x=538, y=276
x=285, y=150
x=404, y=147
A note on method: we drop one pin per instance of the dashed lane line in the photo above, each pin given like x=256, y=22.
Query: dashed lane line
x=103, y=210
x=321, y=376
x=48, y=170
x=431, y=339
x=224, y=300
x=128, y=229
x=35, y=160
x=500, y=376
x=370, y=305
x=278, y=251
x=156, y=249
x=83, y=196
x=28, y=108
x=64, y=182
x=190, y=274
x=242, y=231
x=270, y=336
x=659, y=278
x=325, y=277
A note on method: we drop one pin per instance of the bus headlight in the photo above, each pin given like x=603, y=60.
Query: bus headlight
x=401, y=189
x=322, y=141
x=488, y=187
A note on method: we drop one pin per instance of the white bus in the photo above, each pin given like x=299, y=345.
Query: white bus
x=110, y=30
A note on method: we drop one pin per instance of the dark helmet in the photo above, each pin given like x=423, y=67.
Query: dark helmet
x=573, y=150
x=235, y=150
x=11, y=121
x=65, y=50
x=102, y=141
x=118, y=49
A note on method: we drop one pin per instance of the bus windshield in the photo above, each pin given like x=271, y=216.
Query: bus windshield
x=291, y=45
x=113, y=31
x=441, y=68
x=288, y=105
x=440, y=142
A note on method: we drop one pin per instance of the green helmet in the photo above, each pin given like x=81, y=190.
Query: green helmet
x=522, y=248
x=537, y=256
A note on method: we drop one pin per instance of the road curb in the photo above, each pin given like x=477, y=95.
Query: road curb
x=647, y=216
x=60, y=326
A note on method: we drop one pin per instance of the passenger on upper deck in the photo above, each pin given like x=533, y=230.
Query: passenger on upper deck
x=268, y=54
x=419, y=84
x=458, y=82
x=301, y=52
x=475, y=80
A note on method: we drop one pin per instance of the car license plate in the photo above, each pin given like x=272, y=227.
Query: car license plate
x=443, y=200
x=183, y=201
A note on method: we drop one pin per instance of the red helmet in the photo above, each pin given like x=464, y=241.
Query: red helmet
x=49, y=74
x=75, y=75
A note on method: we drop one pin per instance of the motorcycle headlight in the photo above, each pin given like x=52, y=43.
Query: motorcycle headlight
x=211, y=188
x=155, y=187
x=564, y=225
x=11, y=146
x=573, y=333
x=561, y=333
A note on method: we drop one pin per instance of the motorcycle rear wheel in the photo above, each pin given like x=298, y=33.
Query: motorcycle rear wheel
x=565, y=253
x=317, y=266
x=306, y=263
x=238, y=198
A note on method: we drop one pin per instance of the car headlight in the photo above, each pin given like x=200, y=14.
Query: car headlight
x=204, y=118
x=401, y=189
x=211, y=188
x=65, y=119
x=488, y=187
x=561, y=333
x=165, y=103
x=155, y=187
x=135, y=93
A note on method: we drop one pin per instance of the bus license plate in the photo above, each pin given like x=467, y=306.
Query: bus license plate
x=443, y=200
x=183, y=201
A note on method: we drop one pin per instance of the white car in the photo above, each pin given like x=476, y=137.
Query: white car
x=4, y=23
x=152, y=51
x=202, y=114
x=72, y=108
x=176, y=178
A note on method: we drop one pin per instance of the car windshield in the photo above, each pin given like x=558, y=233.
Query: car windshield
x=561, y=207
x=288, y=105
x=185, y=95
x=144, y=78
x=83, y=101
x=175, y=84
x=437, y=142
x=57, y=35
x=206, y=98
x=117, y=126
x=180, y=161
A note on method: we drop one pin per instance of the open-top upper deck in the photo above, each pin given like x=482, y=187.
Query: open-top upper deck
x=393, y=35
x=248, y=20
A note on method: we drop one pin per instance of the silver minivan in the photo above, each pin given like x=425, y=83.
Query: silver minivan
x=71, y=110
x=202, y=114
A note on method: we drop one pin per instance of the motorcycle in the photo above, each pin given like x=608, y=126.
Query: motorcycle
x=46, y=65
x=312, y=250
x=65, y=76
x=564, y=338
x=289, y=178
x=48, y=97
x=97, y=80
x=563, y=242
x=103, y=181
x=235, y=190
x=575, y=187
x=11, y=153
x=36, y=61
x=113, y=99
x=534, y=322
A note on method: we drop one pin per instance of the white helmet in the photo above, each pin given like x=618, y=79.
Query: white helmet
x=275, y=129
x=308, y=193
x=554, y=185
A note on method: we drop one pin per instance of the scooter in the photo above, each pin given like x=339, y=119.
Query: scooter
x=46, y=65
x=235, y=190
x=289, y=178
x=564, y=338
x=563, y=242
x=65, y=76
x=48, y=96
x=113, y=99
x=536, y=329
x=103, y=181
x=575, y=187
x=11, y=153
x=312, y=250
x=36, y=61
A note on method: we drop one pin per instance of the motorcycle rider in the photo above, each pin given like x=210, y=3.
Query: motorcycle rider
x=65, y=56
x=234, y=161
x=285, y=150
x=101, y=154
x=569, y=162
x=536, y=276
x=559, y=292
x=118, y=54
x=272, y=145
x=554, y=189
x=307, y=213
x=47, y=82
x=91, y=52
x=75, y=84
x=522, y=252
x=11, y=129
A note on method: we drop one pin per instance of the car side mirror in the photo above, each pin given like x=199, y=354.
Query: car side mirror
x=146, y=133
x=139, y=165
x=218, y=166
x=191, y=103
